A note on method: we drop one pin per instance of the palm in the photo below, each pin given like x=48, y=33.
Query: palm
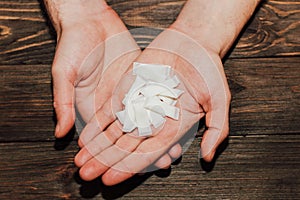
x=85, y=58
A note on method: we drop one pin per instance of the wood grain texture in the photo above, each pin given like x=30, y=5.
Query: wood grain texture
x=26, y=103
x=25, y=37
x=24, y=33
x=250, y=168
x=265, y=95
x=272, y=32
x=265, y=92
x=261, y=160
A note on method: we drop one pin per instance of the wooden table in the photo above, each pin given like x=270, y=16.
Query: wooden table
x=260, y=160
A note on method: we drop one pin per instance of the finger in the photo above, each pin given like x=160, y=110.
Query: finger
x=98, y=144
x=146, y=153
x=175, y=152
x=101, y=120
x=134, y=163
x=109, y=156
x=163, y=162
x=218, y=126
x=150, y=150
x=63, y=88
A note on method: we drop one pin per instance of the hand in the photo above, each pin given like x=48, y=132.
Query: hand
x=205, y=92
x=90, y=39
x=214, y=26
x=92, y=45
x=217, y=98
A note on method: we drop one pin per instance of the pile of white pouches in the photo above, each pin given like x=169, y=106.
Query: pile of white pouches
x=151, y=98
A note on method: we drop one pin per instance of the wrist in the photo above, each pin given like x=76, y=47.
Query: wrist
x=63, y=12
x=214, y=24
x=205, y=35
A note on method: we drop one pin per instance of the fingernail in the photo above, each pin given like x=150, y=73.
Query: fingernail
x=212, y=155
x=80, y=143
x=57, y=129
x=208, y=157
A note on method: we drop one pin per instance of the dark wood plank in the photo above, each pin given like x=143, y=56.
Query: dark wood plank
x=265, y=92
x=26, y=38
x=26, y=103
x=24, y=33
x=272, y=32
x=265, y=167
x=265, y=109
x=266, y=96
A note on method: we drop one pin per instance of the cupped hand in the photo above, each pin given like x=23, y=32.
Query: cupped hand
x=90, y=39
x=206, y=92
x=94, y=50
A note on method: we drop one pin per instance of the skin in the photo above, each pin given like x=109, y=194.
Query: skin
x=79, y=78
x=76, y=71
x=214, y=29
x=133, y=154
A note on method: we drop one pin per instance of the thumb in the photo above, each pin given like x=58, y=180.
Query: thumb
x=217, y=121
x=63, y=88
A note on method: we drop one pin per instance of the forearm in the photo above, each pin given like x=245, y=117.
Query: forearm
x=215, y=23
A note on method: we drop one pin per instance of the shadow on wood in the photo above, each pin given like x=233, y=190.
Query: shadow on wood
x=94, y=188
x=91, y=189
x=209, y=166
x=63, y=143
